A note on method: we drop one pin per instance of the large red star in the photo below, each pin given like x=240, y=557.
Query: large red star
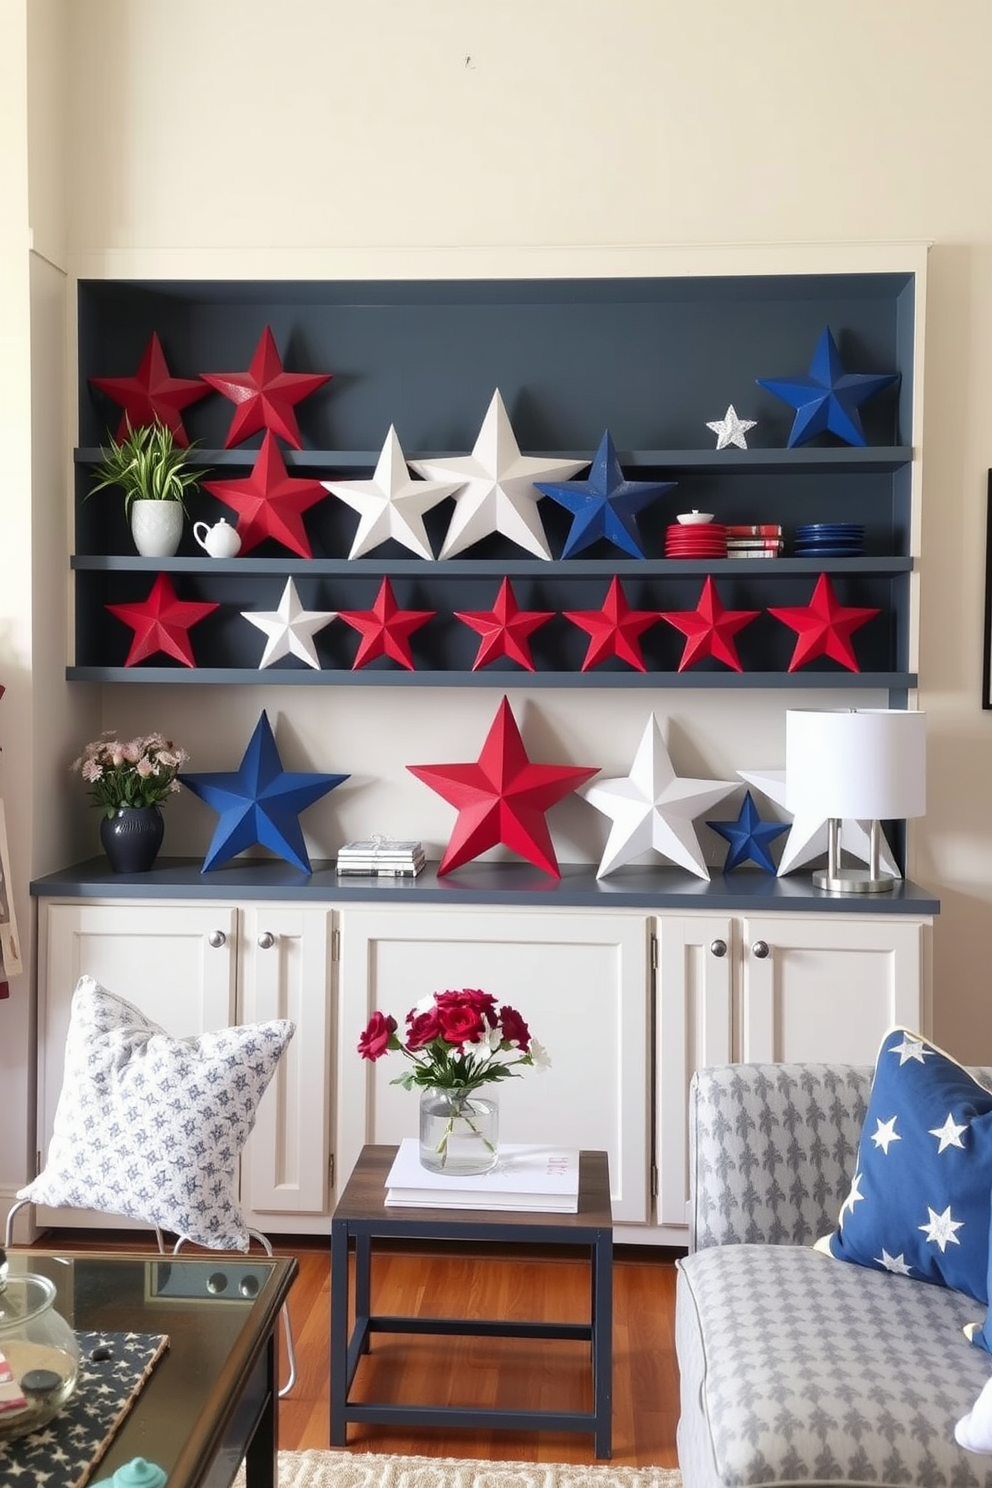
x=824, y=627
x=504, y=629
x=152, y=393
x=710, y=628
x=161, y=622
x=385, y=628
x=264, y=397
x=270, y=502
x=614, y=629
x=502, y=798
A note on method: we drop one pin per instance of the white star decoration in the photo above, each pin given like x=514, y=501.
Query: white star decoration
x=731, y=429
x=807, y=837
x=854, y=1197
x=896, y=1264
x=948, y=1135
x=391, y=504
x=886, y=1134
x=911, y=1048
x=290, y=628
x=652, y=807
x=941, y=1227
x=497, y=491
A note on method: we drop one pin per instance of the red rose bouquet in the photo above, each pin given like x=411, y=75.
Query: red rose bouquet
x=455, y=1041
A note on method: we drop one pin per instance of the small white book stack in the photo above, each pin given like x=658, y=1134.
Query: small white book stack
x=527, y=1177
x=381, y=857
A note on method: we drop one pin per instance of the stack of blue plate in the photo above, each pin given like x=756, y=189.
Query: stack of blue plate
x=830, y=540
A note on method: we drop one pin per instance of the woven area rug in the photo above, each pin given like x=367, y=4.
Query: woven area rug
x=376, y=1470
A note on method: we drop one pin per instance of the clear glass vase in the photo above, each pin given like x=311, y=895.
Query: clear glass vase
x=40, y=1351
x=459, y=1131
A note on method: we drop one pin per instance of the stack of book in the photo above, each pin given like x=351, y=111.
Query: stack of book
x=381, y=858
x=754, y=540
x=538, y=1179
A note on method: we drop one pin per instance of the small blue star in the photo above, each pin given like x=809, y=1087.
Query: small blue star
x=604, y=505
x=827, y=401
x=259, y=802
x=749, y=837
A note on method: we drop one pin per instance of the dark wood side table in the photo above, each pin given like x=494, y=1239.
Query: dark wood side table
x=361, y=1217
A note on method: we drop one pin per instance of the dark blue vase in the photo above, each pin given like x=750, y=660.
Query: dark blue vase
x=131, y=838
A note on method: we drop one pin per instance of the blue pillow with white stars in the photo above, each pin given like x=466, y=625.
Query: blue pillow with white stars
x=920, y=1198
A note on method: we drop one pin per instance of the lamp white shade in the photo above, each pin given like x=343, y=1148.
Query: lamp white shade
x=865, y=763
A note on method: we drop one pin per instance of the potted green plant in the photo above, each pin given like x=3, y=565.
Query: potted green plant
x=155, y=475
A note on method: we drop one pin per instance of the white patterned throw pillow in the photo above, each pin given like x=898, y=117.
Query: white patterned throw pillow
x=151, y=1127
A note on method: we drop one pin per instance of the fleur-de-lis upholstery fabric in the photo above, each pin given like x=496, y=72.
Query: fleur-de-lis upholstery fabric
x=151, y=1127
x=796, y=1369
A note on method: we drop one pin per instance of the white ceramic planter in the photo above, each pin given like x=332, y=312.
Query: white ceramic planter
x=157, y=527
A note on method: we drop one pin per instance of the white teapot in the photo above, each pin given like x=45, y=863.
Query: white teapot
x=220, y=541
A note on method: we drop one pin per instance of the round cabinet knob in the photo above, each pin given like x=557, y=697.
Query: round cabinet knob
x=718, y=947
x=217, y=938
x=760, y=949
x=266, y=940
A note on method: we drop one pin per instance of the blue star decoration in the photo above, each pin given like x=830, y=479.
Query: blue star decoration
x=828, y=400
x=259, y=802
x=749, y=837
x=604, y=505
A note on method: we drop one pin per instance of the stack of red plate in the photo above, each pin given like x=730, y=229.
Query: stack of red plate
x=698, y=540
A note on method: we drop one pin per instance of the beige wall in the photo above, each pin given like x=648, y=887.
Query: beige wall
x=455, y=136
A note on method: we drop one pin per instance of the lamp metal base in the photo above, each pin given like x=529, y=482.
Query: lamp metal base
x=853, y=881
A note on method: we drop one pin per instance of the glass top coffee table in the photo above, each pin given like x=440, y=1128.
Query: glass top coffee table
x=211, y=1399
x=361, y=1217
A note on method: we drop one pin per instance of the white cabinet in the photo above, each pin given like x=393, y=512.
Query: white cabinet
x=580, y=980
x=193, y=967
x=770, y=988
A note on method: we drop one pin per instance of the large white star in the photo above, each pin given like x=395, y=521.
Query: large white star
x=941, y=1227
x=652, y=807
x=497, y=493
x=911, y=1048
x=885, y=1133
x=290, y=628
x=948, y=1135
x=731, y=429
x=807, y=837
x=391, y=504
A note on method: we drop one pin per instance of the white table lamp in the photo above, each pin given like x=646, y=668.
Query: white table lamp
x=868, y=764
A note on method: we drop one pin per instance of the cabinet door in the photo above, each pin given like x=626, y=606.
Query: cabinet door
x=827, y=987
x=286, y=971
x=694, y=981
x=174, y=962
x=579, y=980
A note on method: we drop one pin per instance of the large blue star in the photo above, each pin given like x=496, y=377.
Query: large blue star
x=827, y=401
x=749, y=837
x=259, y=802
x=605, y=505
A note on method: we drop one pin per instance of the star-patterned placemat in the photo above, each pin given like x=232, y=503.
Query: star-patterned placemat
x=67, y=1450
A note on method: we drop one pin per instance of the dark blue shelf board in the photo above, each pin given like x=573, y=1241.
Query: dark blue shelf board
x=493, y=567
x=802, y=460
x=646, y=888
x=491, y=677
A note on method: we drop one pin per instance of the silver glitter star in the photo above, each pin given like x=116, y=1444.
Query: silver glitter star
x=731, y=429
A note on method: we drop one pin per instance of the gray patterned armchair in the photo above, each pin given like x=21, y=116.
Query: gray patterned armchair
x=796, y=1368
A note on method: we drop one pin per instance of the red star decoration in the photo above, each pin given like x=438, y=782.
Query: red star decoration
x=152, y=393
x=161, y=622
x=710, y=628
x=504, y=628
x=270, y=502
x=502, y=798
x=824, y=627
x=385, y=628
x=614, y=629
x=265, y=395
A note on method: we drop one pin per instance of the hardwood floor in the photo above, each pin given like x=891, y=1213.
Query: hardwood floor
x=504, y=1372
